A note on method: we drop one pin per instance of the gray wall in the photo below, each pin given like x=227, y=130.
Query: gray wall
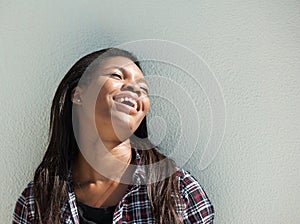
x=247, y=57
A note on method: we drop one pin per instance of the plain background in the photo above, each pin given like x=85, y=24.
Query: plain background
x=253, y=48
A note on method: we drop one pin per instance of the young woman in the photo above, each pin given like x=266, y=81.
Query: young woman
x=99, y=166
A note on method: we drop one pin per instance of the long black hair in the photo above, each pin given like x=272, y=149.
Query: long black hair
x=50, y=179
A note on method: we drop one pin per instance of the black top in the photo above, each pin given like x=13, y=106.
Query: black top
x=91, y=215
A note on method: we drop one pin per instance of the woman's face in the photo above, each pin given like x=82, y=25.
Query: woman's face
x=117, y=97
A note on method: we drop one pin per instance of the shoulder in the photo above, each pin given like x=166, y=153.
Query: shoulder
x=24, y=208
x=188, y=183
x=198, y=208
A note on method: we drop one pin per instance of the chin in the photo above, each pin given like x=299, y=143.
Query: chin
x=123, y=130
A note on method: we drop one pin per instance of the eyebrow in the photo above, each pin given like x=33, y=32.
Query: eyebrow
x=123, y=70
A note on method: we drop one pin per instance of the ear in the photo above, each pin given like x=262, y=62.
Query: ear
x=76, y=95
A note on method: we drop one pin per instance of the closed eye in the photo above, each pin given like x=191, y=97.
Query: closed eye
x=116, y=76
x=145, y=90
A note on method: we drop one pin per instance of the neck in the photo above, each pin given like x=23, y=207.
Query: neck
x=105, y=162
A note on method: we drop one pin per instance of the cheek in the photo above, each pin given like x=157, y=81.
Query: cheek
x=104, y=94
x=147, y=105
x=102, y=107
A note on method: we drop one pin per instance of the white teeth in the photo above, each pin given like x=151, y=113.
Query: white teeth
x=133, y=101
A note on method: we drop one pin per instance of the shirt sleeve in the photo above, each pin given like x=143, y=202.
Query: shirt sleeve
x=22, y=213
x=198, y=207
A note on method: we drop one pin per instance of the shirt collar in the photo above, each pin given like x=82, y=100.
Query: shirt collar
x=138, y=178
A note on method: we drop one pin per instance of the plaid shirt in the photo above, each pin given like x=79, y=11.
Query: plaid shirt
x=135, y=206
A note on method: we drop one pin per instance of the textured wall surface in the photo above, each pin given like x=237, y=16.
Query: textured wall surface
x=253, y=49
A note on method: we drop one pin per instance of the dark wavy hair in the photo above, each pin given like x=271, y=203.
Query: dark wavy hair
x=50, y=179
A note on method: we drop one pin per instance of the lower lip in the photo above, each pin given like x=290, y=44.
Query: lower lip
x=125, y=108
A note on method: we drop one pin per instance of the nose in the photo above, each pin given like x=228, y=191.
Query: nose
x=132, y=86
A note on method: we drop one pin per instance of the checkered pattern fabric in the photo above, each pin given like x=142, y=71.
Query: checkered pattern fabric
x=133, y=208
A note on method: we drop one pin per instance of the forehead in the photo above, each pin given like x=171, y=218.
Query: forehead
x=120, y=63
x=102, y=67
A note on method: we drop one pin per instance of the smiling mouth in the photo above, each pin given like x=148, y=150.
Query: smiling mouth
x=129, y=101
